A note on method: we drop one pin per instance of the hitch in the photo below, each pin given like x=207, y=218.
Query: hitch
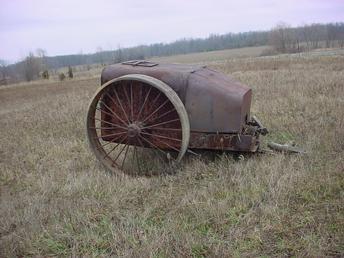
x=256, y=122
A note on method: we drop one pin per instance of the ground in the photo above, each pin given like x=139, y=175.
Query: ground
x=56, y=199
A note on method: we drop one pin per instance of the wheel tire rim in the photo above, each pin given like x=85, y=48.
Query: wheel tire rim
x=133, y=129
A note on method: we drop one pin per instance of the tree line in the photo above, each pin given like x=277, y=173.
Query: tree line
x=285, y=39
x=282, y=39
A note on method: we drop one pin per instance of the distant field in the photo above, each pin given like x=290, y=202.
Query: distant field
x=94, y=70
x=57, y=200
x=213, y=55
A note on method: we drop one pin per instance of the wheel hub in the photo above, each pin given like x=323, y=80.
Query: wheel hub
x=134, y=130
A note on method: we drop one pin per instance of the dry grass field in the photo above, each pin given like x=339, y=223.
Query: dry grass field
x=57, y=200
x=218, y=55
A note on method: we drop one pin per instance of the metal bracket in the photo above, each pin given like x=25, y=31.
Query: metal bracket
x=139, y=63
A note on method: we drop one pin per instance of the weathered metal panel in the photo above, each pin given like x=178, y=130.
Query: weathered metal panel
x=215, y=103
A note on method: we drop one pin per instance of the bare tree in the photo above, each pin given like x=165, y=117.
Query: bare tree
x=41, y=54
x=99, y=54
x=70, y=72
x=31, y=67
x=280, y=37
x=315, y=33
x=3, y=70
x=340, y=35
x=306, y=33
x=119, y=55
x=335, y=35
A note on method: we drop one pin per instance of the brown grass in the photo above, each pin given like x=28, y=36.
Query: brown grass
x=57, y=200
x=213, y=56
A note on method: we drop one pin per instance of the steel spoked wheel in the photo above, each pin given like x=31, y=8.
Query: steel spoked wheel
x=138, y=125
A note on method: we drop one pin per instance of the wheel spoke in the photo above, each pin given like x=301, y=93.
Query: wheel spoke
x=107, y=154
x=173, y=148
x=192, y=152
x=131, y=102
x=137, y=159
x=109, y=142
x=154, y=101
x=127, y=97
x=125, y=156
x=103, y=128
x=114, y=161
x=163, y=123
x=163, y=104
x=111, y=112
x=150, y=143
x=138, y=138
x=106, y=122
x=120, y=103
x=144, y=102
x=164, y=114
x=161, y=136
x=105, y=112
x=138, y=100
x=167, y=129
x=98, y=137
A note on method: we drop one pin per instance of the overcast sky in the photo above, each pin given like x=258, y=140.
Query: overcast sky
x=75, y=26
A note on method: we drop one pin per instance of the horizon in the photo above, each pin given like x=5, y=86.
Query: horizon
x=57, y=28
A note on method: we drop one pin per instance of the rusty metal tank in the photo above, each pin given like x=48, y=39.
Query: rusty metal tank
x=169, y=108
x=215, y=103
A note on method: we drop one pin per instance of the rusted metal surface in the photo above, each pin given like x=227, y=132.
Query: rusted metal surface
x=228, y=142
x=217, y=106
x=140, y=63
x=214, y=102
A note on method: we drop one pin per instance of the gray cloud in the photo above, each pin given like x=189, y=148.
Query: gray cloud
x=64, y=27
